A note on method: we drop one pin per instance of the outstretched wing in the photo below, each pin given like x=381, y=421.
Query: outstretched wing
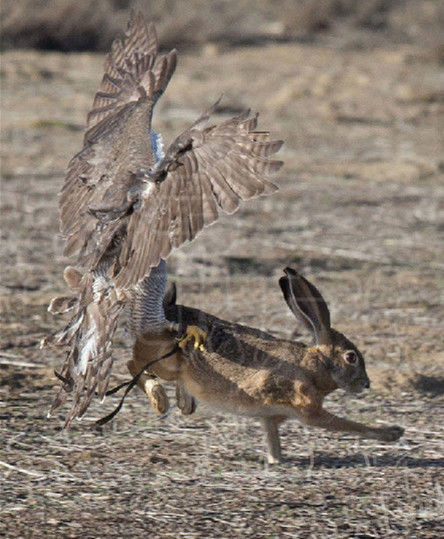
x=94, y=201
x=205, y=170
x=128, y=67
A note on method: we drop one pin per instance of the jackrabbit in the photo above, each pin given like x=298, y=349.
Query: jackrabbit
x=248, y=372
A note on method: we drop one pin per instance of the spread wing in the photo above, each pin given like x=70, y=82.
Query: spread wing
x=108, y=208
x=205, y=170
x=94, y=200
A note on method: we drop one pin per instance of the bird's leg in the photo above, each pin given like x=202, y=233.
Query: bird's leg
x=192, y=332
x=186, y=333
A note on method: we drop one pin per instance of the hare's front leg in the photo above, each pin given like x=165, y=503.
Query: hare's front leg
x=326, y=420
x=150, y=386
x=271, y=428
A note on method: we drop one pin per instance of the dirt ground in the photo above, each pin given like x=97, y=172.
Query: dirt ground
x=358, y=212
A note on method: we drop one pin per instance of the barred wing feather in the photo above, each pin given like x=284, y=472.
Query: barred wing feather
x=221, y=166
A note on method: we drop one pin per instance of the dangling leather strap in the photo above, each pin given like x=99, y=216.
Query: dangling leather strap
x=130, y=385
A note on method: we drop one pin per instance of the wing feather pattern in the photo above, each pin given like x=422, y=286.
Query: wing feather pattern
x=224, y=164
x=122, y=212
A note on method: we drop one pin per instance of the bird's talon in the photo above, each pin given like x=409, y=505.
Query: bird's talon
x=196, y=333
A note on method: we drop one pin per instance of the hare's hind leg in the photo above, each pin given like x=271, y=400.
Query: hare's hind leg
x=271, y=428
x=152, y=388
x=332, y=422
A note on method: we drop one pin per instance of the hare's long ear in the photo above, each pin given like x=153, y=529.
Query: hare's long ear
x=170, y=296
x=306, y=302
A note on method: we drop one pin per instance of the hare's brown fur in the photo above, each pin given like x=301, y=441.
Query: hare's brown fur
x=245, y=371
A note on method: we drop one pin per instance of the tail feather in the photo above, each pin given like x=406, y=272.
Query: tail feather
x=89, y=334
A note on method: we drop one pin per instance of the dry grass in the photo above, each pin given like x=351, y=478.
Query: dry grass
x=358, y=212
x=205, y=477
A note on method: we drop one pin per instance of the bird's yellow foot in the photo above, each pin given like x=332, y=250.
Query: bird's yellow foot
x=196, y=333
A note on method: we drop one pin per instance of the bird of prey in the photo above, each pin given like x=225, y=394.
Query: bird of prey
x=127, y=203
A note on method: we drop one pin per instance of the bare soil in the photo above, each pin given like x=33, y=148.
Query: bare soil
x=358, y=212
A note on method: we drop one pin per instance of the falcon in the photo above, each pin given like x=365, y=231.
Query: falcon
x=127, y=203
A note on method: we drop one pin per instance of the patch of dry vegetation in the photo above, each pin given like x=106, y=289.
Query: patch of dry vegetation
x=358, y=211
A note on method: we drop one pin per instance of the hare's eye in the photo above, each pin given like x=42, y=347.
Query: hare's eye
x=351, y=357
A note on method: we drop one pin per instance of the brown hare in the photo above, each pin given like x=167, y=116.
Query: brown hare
x=248, y=372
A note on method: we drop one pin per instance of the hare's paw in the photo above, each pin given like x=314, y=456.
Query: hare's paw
x=273, y=461
x=196, y=333
x=157, y=395
x=390, y=434
x=185, y=402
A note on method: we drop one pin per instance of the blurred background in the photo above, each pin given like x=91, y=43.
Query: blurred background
x=82, y=25
x=356, y=90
